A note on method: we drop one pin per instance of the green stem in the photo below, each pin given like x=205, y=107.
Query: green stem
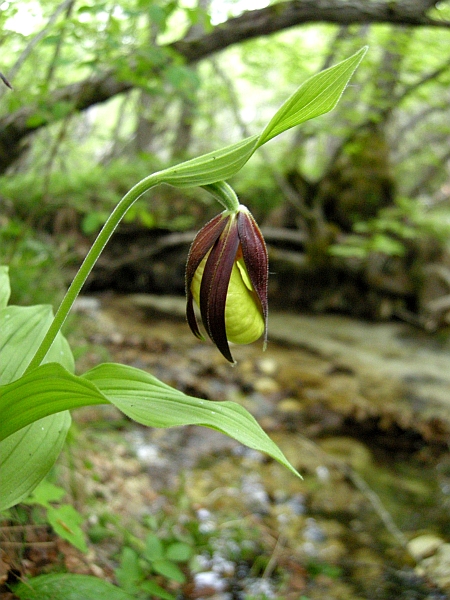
x=224, y=193
x=89, y=262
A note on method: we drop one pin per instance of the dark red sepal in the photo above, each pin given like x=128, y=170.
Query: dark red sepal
x=254, y=252
x=203, y=242
x=214, y=286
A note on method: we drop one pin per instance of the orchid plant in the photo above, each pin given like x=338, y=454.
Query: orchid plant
x=226, y=276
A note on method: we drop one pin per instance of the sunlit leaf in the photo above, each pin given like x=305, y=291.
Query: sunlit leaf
x=136, y=393
x=45, y=493
x=66, y=521
x=316, y=96
x=5, y=288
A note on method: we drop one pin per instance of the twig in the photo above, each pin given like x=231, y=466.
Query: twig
x=364, y=488
x=5, y=81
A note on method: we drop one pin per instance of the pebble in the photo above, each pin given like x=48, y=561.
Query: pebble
x=266, y=385
x=267, y=366
x=289, y=405
x=437, y=567
x=424, y=546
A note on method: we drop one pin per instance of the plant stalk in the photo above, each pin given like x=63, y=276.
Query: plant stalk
x=97, y=247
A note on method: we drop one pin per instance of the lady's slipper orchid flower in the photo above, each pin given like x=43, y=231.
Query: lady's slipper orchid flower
x=226, y=275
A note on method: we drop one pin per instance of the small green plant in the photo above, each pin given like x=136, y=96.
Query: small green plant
x=137, y=570
x=38, y=384
x=33, y=262
x=64, y=518
x=393, y=229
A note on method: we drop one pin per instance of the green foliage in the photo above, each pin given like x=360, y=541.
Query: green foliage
x=157, y=557
x=64, y=518
x=33, y=260
x=28, y=454
x=316, y=568
x=393, y=229
x=33, y=426
x=65, y=586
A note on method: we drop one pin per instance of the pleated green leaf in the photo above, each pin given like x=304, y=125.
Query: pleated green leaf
x=5, y=288
x=209, y=168
x=27, y=455
x=147, y=400
x=142, y=397
x=316, y=96
x=47, y=390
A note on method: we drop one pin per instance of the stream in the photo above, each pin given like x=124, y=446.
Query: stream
x=360, y=409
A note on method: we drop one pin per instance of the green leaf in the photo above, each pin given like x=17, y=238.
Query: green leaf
x=316, y=96
x=153, y=547
x=66, y=586
x=179, y=552
x=44, y=391
x=169, y=569
x=154, y=589
x=130, y=573
x=22, y=329
x=66, y=521
x=142, y=397
x=45, y=493
x=147, y=400
x=28, y=455
x=5, y=288
x=209, y=168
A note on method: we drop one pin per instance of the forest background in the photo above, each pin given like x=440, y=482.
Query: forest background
x=355, y=205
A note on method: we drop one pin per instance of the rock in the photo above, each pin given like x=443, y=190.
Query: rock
x=266, y=385
x=289, y=405
x=437, y=567
x=348, y=451
x=424, y=546
x=267, y=366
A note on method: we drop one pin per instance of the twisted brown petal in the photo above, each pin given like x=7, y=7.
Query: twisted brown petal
x=202, y=243
x=255, y=258
x=214, y=286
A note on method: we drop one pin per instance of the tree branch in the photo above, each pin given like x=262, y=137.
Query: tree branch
x=15, y=127
x=284, y=15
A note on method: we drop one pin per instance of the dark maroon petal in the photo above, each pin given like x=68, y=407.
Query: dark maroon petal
x=256, y=261
x=214, y=286
x=191, y=318
x=202, y=243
